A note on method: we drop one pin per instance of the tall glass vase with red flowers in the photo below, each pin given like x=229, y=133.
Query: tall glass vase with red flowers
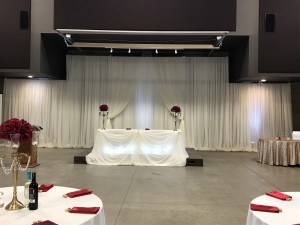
x=103, y=111
x=175, y=112
x=16, y=131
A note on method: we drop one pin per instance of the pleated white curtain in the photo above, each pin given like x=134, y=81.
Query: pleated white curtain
x=170, y=81
x=140, y=92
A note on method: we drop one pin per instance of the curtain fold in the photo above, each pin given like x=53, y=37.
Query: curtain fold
x=140, y=91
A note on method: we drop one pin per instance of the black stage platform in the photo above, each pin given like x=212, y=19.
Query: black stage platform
x=194, y=158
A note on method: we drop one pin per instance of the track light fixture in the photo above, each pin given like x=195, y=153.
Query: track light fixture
x=129, y=50
x=111, y=50
x=175, y=51
x=156, y=51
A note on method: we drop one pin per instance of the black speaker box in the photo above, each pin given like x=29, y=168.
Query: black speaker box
x=24, y=20
x=270, y=22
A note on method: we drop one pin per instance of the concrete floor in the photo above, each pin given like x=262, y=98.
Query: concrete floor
x=216, y=194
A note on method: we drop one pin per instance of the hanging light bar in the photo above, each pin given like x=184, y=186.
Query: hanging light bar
x=137, y=32
x=142, y=46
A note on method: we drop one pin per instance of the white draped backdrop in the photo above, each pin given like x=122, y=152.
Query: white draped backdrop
x=217, y=115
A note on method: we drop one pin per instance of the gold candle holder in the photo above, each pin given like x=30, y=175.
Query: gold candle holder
x=15, y=204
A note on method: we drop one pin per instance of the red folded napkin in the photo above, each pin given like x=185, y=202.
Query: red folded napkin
x=78, y=193
x=86, y=210
x=45, y=187
x=46, y=222
x=279, y=195
x=264, y=208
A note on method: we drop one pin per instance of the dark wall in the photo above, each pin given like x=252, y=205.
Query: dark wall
x=53, y=55
x=279, y=51
x=14, y=40
x=295, y=93
x=205, y=15
x=1, y=86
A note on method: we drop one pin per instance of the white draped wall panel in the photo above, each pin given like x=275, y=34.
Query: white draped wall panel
x=139, y=91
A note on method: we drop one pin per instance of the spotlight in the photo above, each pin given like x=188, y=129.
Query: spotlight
x=30, y=76
x=68, y=35
x=175, y=51
x=219, y=38
x=263, y=80
x=156, y=51
x=129, y=50
x=111, y=50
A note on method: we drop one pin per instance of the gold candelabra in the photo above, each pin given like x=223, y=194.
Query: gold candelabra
x=15, y=204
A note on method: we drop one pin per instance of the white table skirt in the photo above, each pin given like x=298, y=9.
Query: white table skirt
x=52, y=207
x=290, y=211
x=138, y=147
x=278, y=152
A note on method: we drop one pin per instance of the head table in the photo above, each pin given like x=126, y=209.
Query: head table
x=290, y=214
x=138, y=147
x=52, y=206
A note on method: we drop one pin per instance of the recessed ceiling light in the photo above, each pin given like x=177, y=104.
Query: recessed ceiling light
x=30, y=76
x=263, y=80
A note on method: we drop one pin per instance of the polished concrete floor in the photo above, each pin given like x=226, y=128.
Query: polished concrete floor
x=216, y=194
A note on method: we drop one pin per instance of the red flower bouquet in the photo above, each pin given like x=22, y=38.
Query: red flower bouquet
x=176, y=109
x=16, y=126
x=103, y=108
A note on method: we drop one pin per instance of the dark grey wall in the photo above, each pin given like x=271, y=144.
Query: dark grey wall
x=279, y=51
x=14, y=41
x=295, y=93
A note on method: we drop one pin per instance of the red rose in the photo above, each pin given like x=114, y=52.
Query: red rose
x=16, y=126
x=175, y=109
x=103, y=107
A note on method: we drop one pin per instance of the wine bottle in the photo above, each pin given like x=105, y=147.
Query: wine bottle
x=33, y=193
x=26, y=189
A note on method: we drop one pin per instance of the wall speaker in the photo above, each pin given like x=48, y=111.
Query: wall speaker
x=24, y=20
x=270, y=22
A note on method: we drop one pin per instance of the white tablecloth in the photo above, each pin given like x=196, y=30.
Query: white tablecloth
x=278, y=152
x=52, y=207
x=290, y=211
x=138, y=147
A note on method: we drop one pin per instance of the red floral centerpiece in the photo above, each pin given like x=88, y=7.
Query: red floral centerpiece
x=176, y=109
x=16, y=126
x=104, y=113
x=175, y=112
x=103, y=108
x=16, y=131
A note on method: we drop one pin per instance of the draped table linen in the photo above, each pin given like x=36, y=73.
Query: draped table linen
x=138, y=147
x=278, y=152
x=290, y=211
x=52, y=206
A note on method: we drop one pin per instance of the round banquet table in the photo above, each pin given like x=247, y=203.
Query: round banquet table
x=290, y=214
x=52, y=207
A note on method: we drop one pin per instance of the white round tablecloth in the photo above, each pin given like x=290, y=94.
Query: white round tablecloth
x=290, y=211
x=52, y=207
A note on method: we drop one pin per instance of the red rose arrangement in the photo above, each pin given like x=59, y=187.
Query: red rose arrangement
x=16, y=126
x=103, y=108
x=176, y=109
